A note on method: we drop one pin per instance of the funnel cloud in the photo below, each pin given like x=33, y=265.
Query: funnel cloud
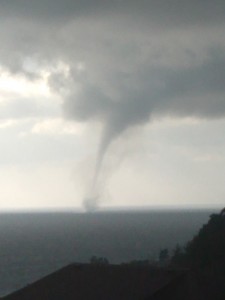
x=197, y=91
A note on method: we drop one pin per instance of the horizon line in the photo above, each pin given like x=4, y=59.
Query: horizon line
x=103, y=209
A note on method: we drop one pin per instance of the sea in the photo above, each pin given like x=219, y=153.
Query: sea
x=33, y=245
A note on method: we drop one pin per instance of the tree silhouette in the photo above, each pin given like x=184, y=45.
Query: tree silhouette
x=99, y=260
x=207, y=248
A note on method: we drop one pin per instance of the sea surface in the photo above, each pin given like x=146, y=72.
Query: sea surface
x=33, y=245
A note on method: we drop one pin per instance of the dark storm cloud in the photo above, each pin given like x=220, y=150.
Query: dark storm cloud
x=141, y=58
x=172, y=11
x=91, y=103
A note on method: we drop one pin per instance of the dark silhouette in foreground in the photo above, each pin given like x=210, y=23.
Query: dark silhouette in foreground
x=207, y=248
x=95, y=281
x=196, y=271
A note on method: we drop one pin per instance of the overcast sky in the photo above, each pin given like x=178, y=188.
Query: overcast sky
x=131, y=90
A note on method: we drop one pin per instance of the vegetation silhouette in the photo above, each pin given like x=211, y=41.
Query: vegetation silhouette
x=207, y=248
x=94, y=260
x=204, y=256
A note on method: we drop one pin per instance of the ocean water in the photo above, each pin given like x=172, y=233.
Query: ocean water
x=33, y=245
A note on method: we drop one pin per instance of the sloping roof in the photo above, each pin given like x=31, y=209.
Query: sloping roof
x=85, y=281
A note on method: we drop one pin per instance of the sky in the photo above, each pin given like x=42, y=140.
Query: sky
x=112, y=104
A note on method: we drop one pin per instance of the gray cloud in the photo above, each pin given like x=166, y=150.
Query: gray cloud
x=160, y=11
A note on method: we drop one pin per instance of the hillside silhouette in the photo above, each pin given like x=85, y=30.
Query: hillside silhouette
x=204, y=256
